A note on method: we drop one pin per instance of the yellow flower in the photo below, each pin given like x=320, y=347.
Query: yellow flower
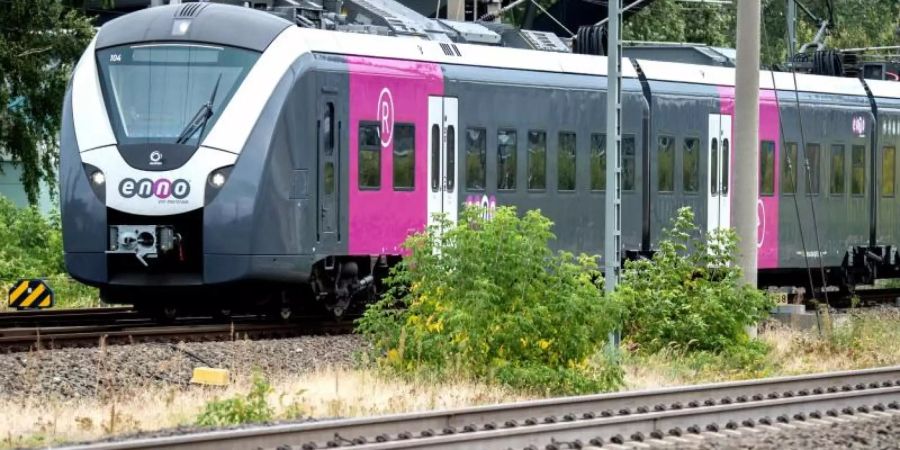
x=435, y=327
x=544, y=344
x=393, y=356
x=524, y=342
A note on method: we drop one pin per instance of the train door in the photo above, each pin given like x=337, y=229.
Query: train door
x=718, y=172
x=442, y=147
x=328, y=172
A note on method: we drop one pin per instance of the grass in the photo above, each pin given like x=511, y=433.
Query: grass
x=321, y=394
x=859, y=340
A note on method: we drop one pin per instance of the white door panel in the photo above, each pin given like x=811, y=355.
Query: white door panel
x=725, y=148
x=435, y=124
x=718, y=169
x=712, y=171
x=443, y=139
x=449, y=170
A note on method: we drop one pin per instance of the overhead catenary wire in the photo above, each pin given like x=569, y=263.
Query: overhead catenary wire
x=812, y=205
x=793, y=178
x=571, y=34
x=790, y=167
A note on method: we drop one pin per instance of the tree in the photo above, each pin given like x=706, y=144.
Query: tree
x=42, y=40
x=857, y=23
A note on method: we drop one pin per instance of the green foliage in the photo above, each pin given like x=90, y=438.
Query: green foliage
x=690, y=300
x=41, y=42
x=31, y=247
x=858, y=23
x=489, y=299
x=30, y=243
x=250, y=408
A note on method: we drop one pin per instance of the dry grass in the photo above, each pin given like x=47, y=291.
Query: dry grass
x=321, y=394
x=858, y=340
x=864, y=340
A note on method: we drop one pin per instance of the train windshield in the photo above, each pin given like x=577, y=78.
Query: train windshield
x=153, y=92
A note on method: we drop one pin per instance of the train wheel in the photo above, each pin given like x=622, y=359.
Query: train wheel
x=167, y=314
x=285, y=313
x=222, y=314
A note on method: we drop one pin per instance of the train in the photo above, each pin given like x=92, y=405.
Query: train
x=222, y=157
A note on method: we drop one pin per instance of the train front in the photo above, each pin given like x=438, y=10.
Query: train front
x=156, y=116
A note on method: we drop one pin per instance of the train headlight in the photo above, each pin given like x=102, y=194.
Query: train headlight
x=217, y=180
x=98, y=178
x=218, y=177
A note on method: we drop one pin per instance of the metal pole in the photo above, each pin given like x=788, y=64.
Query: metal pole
x=746, y=137
x=791, y=24
x=612, y=236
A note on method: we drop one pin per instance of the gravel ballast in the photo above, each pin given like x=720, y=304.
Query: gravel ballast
x=86, y=372
x=864, y=433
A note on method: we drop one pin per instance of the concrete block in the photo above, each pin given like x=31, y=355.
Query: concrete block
x=789, y=309
x=802, y=321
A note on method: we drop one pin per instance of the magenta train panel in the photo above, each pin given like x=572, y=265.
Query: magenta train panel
x=767, y=206
x=389, y=92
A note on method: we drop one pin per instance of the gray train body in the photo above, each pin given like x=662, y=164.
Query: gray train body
x=322, y=151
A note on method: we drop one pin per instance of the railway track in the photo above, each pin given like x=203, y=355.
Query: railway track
x=878, y=296
x=27, y=330
x=60, y=317
x=577, y=422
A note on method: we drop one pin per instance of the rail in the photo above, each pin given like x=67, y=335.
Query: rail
x=593, y=419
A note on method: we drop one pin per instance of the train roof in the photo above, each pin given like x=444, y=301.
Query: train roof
x=323, y=41
x=216, y=23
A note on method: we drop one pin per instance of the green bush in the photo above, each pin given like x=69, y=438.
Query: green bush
x=250, y=408
x=31, y=247
x=489, y=299
x=689, y=300
x=30, y=243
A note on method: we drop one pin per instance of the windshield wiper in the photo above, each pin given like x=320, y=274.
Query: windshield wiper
x=198, y=122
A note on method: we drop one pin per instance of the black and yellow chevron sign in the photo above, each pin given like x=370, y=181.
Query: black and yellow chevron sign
x=27, y=294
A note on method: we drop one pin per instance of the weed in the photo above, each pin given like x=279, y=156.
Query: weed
x=252, y=407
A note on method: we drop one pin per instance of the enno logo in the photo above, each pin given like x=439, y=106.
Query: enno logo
x=161, y=188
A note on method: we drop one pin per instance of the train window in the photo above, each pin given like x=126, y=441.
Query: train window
x=789, y=169
x=766, y=168
x=598, y=162
x=858, y=170
x=435, y=157
x=506, y=159
x=888, y=171
x=838, y=185
x=726, y=166
x=404, y=156
x=714, y=167
x=329, y=178
x=665, y=172
x=537, y=160
x=813, y=158
x=628, y=173
x=328, y=128
x=451, y=158
x=566, y=162
x=476, y=153
x=369, y=156
x=690, y=170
